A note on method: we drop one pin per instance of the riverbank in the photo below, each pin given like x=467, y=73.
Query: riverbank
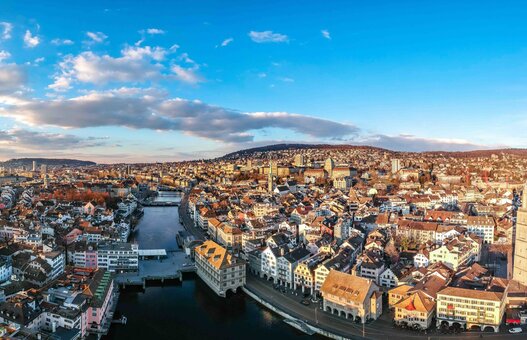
x=188, y=309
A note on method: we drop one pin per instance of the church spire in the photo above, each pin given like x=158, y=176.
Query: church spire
x=270, y=186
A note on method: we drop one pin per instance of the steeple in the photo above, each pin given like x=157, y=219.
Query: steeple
x=270, y=186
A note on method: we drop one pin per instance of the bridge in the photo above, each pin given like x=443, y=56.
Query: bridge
x=168, y=188
x=150, y=203
x=169, y=268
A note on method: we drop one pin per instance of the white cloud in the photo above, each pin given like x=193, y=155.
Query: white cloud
x=226, y=42
x=187, y=75
x=135, y=64
x=136, y=109
x=287, y=80
x=4, y=55
x=267, y=36
x=31, y=40
x=262, y=75
x=97, y=37
x=154, y=31
x=59, y=42
x=33, y=140
x=5, y=32
x=326, y=34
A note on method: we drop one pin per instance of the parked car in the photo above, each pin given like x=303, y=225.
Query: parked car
x=515, y=330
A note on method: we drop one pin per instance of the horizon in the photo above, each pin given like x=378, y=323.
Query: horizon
x=130, y=83
x=309, y=146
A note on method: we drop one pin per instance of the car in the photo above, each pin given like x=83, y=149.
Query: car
x=305, y=302
x=515, y=330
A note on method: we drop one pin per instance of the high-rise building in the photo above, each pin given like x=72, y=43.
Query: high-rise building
x=520, y=245
x=44, y=169
x=34, y=165
x=299, y=160
x=396, y=165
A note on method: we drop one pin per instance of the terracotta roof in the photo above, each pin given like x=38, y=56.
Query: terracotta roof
x=418, y=302
x=217, y=255
x=472, y=294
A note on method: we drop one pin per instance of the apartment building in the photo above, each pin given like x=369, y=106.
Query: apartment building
x=469, y=308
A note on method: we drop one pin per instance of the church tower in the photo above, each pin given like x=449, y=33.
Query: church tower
x=520, y=242
x=270, y=184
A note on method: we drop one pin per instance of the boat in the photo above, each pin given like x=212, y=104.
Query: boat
x=122, y=320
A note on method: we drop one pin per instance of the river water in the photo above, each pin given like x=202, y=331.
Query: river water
x=188, y=310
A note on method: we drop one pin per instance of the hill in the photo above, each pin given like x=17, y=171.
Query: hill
x=456, y=154
x=282, y=147
x=50, y=162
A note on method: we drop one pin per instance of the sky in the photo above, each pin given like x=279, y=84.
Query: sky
x=145, y=81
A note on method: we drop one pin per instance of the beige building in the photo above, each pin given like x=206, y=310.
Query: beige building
x=220, y=270
x=470, y=308
x=351, y=296
x=520, y=246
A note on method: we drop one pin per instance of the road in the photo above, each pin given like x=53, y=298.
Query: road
x=379, y=329
x=188, y=223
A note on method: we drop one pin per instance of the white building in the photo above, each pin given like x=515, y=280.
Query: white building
x=118, y=257
x=220, y=270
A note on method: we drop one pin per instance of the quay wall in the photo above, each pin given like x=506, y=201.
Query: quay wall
x=285, y=315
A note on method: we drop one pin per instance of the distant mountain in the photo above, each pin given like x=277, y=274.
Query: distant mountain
x=50, y=162
x=457, y=154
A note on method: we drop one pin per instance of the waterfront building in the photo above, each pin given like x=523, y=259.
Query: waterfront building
x=416, y=310
x=351, y=296
x=219, y=269
x=118, y=257
x=287, y=264
x=99, y=293
x=469, y=308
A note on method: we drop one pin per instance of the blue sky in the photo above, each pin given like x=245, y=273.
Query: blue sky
x=187, y=79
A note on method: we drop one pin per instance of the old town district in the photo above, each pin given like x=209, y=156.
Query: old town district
x=430, y=241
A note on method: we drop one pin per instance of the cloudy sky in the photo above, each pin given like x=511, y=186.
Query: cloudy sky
x=125, y=81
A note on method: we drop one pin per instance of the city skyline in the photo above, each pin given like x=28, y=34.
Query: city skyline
x=130, y=83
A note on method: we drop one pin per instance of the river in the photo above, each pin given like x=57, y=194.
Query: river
x=188, y=310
